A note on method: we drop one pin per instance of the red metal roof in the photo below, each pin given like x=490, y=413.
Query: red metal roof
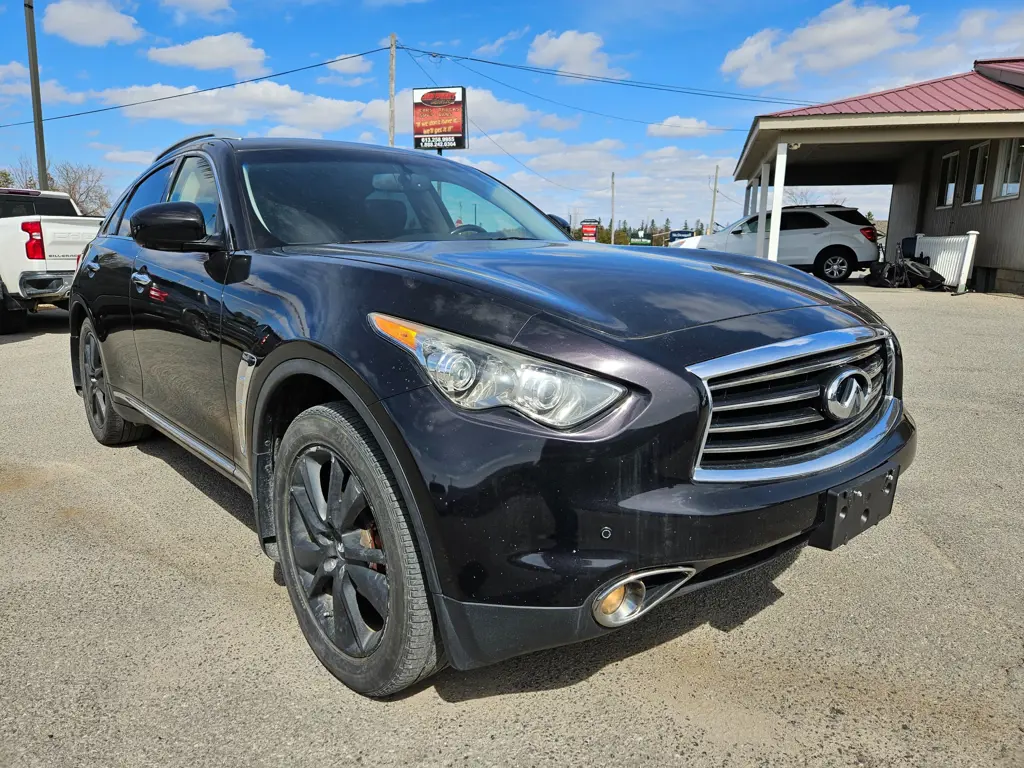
x=966, y=92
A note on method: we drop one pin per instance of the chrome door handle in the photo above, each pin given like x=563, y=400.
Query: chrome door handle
x=92, y=267
x=141, y=280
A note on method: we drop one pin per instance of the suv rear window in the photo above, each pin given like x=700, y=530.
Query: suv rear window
x=30, y=205
x=851, y=217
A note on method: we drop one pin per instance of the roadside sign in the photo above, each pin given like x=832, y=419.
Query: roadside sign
x=639, y=241
x=439, y=118
x=589, y=227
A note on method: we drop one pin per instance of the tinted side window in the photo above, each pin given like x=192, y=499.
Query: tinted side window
x=196, y=184
x=750, y=225
x=801, y=220
x=110, y=225
x=851, y=217
x=150, y=191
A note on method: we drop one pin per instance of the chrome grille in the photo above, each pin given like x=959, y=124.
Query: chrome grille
x=768, y=411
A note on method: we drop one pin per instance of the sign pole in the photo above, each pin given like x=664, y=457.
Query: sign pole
x=714, y=199
x=391, y=92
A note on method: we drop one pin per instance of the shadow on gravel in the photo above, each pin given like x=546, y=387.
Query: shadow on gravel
x=723, y=606
x=43, y=322
x=221, y=491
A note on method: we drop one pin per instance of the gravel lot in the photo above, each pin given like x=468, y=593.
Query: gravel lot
x=140, y=625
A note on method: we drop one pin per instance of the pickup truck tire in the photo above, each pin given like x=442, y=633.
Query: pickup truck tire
x=348, y=555
x=107, y=426
x=12, y=320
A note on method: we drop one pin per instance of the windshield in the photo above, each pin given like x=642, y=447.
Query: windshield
x=319, y=196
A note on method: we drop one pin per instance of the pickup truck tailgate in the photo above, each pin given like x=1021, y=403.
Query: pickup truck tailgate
x=64, y=239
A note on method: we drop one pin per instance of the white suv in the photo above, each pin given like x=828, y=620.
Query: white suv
x=832, y=241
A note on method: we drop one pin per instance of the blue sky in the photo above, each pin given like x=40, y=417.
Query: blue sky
x=96, y=53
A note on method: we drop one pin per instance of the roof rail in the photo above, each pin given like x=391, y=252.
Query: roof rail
x=816, y=205
x=185, y=141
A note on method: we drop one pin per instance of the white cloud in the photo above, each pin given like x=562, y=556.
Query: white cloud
x=367, y=137
x=347, y=82
x=1011, y=30
x=130, y=156
x=90, y=22
x=487, y=166
x=838, y=37
x=354, y=65
x=677, y=126
x=493, y=49
x=231, y=50
x=14, y=82
x=14, y=71
x=556, y=123
x=213, y=10
x=237, y=106
x=291, y=132
x=572, y=51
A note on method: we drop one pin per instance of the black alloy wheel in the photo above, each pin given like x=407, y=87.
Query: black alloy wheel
x=337, y=548
x=348, y=554
x=106, y=424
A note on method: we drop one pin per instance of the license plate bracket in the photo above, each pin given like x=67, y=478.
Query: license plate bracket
x=853, y=508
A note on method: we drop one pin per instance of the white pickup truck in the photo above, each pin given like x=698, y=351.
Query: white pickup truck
x=42, y=234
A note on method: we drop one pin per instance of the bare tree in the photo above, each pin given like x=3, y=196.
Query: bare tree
x=83, y=183
x=835, y=196
x=799, y=196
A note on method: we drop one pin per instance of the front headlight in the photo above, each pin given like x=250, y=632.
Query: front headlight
x=477, y=376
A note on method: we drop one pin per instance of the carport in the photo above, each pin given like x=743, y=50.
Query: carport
x=951, y=148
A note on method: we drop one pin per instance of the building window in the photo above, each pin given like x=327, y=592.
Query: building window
x=977, y=167
x=1009, y=165
x=947, y=179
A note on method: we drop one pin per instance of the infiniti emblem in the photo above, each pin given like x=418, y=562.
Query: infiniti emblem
x=846, y=394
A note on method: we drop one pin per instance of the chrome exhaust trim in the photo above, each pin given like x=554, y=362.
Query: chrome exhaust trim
x=636, y=599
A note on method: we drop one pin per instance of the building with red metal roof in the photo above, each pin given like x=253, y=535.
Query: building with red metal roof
x=952, y=149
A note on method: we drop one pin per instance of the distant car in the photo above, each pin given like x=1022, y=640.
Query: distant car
x=832, y=241
x=42, y=234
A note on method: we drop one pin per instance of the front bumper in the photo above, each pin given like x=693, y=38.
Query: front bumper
x=526, y=530
x=53, y=286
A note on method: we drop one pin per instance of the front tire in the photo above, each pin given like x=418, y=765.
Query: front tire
x=835, y=264
x=348, y=556
x=107, y=426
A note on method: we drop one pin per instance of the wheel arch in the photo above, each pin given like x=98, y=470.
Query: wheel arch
x=78, y=313
x=305, y=363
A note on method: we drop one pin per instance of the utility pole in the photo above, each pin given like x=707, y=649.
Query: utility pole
x=391, y=92
x=37, y=107
x=714, y=199
x=612, y=225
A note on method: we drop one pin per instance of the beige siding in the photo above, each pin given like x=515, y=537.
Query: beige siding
x=1000, y=224
x=906, y=193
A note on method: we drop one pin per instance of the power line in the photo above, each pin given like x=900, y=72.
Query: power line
x=495, y=143
x=454, y=60
x=646, y=85
x=271, y=76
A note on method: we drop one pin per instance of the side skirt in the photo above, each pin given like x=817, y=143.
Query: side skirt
x=199, y=449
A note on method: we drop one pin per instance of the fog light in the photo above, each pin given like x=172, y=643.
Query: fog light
x=620, y=604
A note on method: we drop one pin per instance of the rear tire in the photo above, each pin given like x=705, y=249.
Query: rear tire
x=348, y=555
x=835, y=264
x=107, y=426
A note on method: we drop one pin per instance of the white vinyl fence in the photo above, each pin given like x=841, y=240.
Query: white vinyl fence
x=952, y=257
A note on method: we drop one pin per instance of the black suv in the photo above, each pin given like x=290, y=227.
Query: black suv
x=467, y=436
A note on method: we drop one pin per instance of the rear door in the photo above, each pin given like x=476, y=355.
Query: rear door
x=176, y=301
x=105, y=283
x=802, y=236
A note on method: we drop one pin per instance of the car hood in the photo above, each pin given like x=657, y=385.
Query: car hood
x=621, y=291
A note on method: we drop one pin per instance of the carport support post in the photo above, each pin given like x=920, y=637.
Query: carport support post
x=777, y=189
x=746, y=200
x=762, y=207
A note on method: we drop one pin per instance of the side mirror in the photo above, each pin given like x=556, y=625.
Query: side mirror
x=173, y=227
x=737, y=231
x=561, y=223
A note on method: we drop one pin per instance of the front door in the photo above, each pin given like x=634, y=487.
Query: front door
x=176, y=302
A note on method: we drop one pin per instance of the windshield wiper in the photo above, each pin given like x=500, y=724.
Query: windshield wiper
x=359, y=242
x=511, y=238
